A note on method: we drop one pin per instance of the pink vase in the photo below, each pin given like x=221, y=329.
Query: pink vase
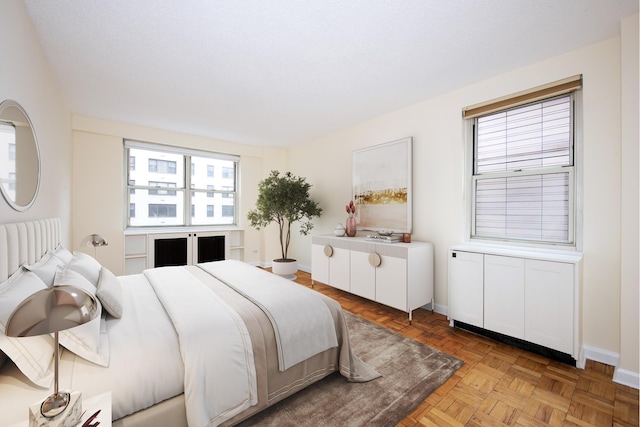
x=351, y=226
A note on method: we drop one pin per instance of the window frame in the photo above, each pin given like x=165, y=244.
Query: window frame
x=186, y=194
x=574, y=241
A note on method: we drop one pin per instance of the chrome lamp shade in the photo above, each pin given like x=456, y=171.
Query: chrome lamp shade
x=94, y=241
x=47, y=311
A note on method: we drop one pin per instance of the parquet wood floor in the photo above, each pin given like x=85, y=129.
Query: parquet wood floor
x=499, y=385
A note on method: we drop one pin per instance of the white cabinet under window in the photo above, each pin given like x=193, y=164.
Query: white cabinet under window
x=399, y=275
x=532, y=296
x=504, y=295
x=466, y=287
x=150, y=250
x=549, y=289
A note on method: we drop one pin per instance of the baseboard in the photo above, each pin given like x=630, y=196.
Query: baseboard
x=620, y=376
x=304, y=268
x=628, y=378
x=438, y=308
x=441, y=309
x=597, y=355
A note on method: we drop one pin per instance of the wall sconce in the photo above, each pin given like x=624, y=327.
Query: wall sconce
x=47, y=311
x=94, y=241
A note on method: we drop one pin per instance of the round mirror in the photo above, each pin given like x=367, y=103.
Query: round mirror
x=19, y=157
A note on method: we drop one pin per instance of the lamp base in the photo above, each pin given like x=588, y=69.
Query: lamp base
x=55, y=404
x=54, y=413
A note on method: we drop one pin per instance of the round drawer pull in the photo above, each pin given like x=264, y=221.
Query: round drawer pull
x=374, y=259
x=328, y=250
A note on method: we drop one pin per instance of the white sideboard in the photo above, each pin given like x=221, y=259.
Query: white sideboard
x=399, y=275
x=533, y=296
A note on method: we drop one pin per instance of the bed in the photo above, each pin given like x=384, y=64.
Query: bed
x=210, y=344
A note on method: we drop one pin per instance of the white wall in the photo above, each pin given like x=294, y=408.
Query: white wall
x=437, y=130
x=630, y=276
x=25, y=77
x=98, y=181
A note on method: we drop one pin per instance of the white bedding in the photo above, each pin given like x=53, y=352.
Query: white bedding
x=214, y=343
x=291, y=317
x=140, y=381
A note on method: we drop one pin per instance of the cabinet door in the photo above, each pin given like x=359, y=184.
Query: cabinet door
x=391, y=282
x=209, y=247
x=339, y=269
x=319, y=264
x=466, y=294
x=504, y=295
x=169, y=249
x=549, y=304
x=363, y=275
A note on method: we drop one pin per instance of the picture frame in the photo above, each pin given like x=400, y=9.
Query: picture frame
x=382, y=186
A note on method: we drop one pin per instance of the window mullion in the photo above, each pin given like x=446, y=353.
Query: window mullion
x=187, y=190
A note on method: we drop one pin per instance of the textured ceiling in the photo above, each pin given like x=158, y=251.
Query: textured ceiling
x=281, y=72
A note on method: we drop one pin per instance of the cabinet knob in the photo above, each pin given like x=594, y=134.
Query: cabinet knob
x=328, y=250
x=374, y=259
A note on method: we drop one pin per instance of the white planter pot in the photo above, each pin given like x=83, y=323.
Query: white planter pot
x=286, y=269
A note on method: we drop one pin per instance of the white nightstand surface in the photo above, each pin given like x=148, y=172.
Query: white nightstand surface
x=100, y=402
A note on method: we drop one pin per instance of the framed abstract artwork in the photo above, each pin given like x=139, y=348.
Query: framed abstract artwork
x=382, y=187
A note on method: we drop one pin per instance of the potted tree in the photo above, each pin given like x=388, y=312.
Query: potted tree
x=284, y=199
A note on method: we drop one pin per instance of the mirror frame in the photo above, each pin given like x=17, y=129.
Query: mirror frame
x=7, y=103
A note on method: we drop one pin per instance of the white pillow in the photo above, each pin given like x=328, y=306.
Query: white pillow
x=63, y=253
x=32, y=355
x=110, y=293
x=45, y=268
x=89, y=341
x=14, y=290
x=87, y=266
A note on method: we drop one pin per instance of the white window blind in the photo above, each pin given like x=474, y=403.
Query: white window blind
x=523, y=172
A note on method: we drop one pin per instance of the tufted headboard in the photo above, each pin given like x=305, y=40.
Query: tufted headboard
x=26, y=242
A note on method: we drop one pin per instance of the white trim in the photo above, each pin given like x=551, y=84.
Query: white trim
x=628, y=378
x=597, y=355
x=441, y=309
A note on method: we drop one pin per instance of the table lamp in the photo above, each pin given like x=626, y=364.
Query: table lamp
x=94, y=241
x=47, y=311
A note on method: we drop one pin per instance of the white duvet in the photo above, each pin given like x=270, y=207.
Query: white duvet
x=220, y=375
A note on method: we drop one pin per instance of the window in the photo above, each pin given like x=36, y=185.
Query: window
x=227, y=210
x=228, y=173
x=162, y=211
x=177, y=189
x=523, y=176
x=162, y=166
x=12, y=151
x=155, y=192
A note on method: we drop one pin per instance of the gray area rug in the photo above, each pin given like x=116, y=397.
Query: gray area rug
x=410, y=372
